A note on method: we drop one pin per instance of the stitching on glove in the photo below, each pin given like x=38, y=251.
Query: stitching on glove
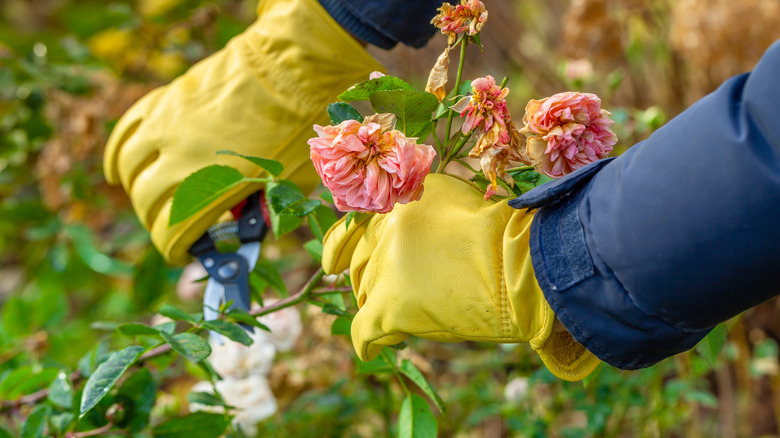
x=503, y=295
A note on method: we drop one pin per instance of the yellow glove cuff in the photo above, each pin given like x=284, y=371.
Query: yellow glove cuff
x=562, y=355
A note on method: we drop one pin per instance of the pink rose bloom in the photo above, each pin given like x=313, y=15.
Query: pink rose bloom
x=367, y=169
x=567, y=131
x=469, y=17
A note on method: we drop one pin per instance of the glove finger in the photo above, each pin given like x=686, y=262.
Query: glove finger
x=368, y=335
x=339, y=243
x=128, y=151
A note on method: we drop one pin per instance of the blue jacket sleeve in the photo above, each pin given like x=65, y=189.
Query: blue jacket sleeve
x=385, y=23
x=640, y=256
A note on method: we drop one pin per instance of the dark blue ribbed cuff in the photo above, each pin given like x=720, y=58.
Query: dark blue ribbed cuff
x=352, y=24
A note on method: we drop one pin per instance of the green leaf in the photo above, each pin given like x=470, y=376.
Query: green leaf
x=106, y=375
x=36, y=421
x=195, y=425
x=413, y=108
x=349, y=218
x=84, y=245
x=137, y=396
x=60, y=422
x=13, y=380
x=525, y=180
x=408, y=369
x=273, y=167
x=232, y=331
x=301, y=208
x=205, y=398
x=16, y=319
x=341, y=326
x=243, y=317
x=176, y=314
x=713, y=343
x=282, y=224
x=314, y=248
x=364, y=90
x=703, y=398
x=320, y=221
x=341, y=111
x=333, y=309
x=61, y=391
x=326, y=194
x=335, y=301
x=4, y=433
x=168, y=327
x=201, y=189
x=104, y=325
x=416, y=419
x=376, y=366
x=281, y=196
x=270, y=274
x=150, y=279
x=92, y=359
x=356, y=216
x=135, y=329
x=32, y=382
x=189, y=345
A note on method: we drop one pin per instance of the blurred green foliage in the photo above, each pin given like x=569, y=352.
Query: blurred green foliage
x=79, y=280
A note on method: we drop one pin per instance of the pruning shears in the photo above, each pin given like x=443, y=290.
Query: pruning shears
x=229, y=270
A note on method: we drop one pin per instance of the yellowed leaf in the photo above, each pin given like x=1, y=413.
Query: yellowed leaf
x=437, y=79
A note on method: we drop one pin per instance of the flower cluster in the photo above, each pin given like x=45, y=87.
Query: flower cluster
x=469, y=17
x=566, y=131
x=498, y=141
x=369, y=167
x=244, y=369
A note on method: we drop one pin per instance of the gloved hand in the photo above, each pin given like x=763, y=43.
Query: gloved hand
x=260, y=96
x=450, y=267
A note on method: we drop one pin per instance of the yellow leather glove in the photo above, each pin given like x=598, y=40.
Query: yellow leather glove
x=260, y=96
x=450, y=267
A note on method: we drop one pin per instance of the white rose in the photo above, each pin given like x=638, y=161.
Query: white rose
x=285, y=326
x=252, y=398
x=235, y=360
x=516, y=389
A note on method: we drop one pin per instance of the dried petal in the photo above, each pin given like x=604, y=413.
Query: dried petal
x=467, y=17
x=437, y=79
x=386, y=121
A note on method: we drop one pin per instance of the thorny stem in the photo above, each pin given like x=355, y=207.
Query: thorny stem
x=303, y=294
x=463, y=45
x=455, y=148
x=466, y=165
x=439, y=146
x=292, y=299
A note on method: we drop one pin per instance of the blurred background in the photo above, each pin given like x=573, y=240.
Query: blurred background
x=73, y=256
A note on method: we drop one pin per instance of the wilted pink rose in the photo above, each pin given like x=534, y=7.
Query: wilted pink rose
x=498, y=142
x=469, y=16
x=567, y=131
x=487, y=105
x=368, y=169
